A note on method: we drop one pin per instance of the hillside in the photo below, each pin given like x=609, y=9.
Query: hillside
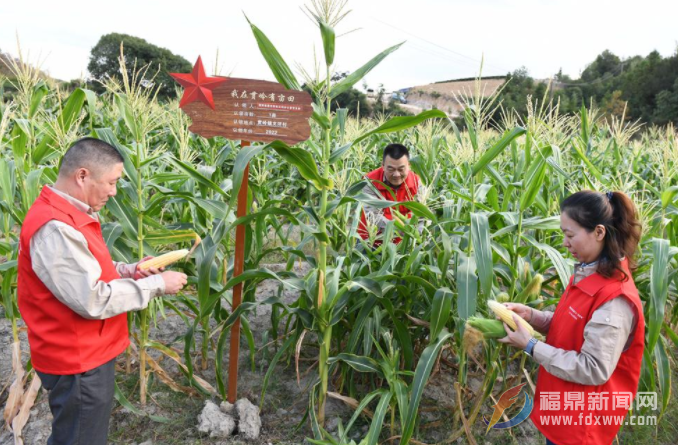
x=446, y=96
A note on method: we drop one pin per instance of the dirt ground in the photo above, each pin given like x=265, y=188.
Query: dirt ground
x=283, y=408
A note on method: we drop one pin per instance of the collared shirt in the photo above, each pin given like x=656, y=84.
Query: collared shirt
x=61, y=259
x=607, y=334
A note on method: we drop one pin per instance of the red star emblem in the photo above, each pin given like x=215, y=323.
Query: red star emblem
x=197, y=86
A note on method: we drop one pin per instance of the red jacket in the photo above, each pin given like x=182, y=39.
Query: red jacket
x=574, y=310
x=61, y=341
x=406, y=192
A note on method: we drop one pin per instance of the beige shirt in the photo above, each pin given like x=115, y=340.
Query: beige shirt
x=608, y=333
x=61, y=259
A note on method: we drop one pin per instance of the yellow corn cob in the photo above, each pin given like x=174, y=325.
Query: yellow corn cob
x=164, y=260
x=532, y=290
x=506, y=316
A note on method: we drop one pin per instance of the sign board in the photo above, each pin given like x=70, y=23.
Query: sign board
x=247, y=110
x=244, y=109
x=254, y=110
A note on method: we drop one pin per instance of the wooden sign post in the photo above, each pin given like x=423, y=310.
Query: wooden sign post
x=246, y=110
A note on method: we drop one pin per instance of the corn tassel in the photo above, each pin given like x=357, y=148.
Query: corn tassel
x=164, y=260
x=506, y=316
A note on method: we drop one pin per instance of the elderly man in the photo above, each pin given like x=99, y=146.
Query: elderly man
x=74, y=297
x=393, y=181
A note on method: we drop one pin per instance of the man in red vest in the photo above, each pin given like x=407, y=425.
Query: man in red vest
x=393, y=181
x=74, y=297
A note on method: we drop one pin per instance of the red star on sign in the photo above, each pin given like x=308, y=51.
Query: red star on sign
x=197, y=86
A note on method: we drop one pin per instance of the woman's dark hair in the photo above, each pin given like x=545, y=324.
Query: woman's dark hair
x=616, y=212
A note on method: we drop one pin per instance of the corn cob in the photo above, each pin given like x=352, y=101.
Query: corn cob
x=489, y=328
x=164, y=260
x=506, y=316
x=531, y=290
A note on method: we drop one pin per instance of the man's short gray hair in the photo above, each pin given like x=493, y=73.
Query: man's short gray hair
x=90, y=153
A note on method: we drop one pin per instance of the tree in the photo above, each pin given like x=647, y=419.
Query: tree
x=104, y=63
x=667, y=106
x=352, y=99
x=605, y=66
x=614, y=105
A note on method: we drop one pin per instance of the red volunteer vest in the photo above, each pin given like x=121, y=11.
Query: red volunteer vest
x=406, y=192
x=574, y=310
x=61, y=341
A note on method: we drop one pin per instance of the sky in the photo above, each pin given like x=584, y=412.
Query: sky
x=443, y=39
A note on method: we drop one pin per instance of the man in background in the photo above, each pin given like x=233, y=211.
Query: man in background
x=393, y=181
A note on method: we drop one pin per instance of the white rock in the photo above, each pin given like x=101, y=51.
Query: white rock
x=249, y=422
x=227, y=408
x=215, y=422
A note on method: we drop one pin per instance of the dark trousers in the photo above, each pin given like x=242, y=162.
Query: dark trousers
x=81, y=405
x=548, y=442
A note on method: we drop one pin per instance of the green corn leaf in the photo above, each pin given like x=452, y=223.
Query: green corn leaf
x=421, y=375
x=440, y=312
x=482, y=247
x=659, y=289
x=357, y=362
x=467, y=287
x=303, y=161
x=497, y=148
x=663, y=373
x=378, y=419
x=347, y=82
x=276, y=63
x=402, y=123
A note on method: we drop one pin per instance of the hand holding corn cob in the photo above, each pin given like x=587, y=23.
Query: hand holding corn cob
x=521, y=330
x=174, y=281
x=166, y=259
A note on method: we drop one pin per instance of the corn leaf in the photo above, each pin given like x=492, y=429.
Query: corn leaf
x=403, y=122
x=278, y=66
x=496, y=149
x=440, y=312
x=347, y=82
x=357, y=362
x=421, y=375
x=663, y=373
x=378, y=420
x=659, y=289
x=467, y=287
x=482, y=248
x=303, y=161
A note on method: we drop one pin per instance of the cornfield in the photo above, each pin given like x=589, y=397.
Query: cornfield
x=378, y=321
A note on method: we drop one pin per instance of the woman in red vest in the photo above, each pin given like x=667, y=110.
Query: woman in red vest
x=590, y=362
